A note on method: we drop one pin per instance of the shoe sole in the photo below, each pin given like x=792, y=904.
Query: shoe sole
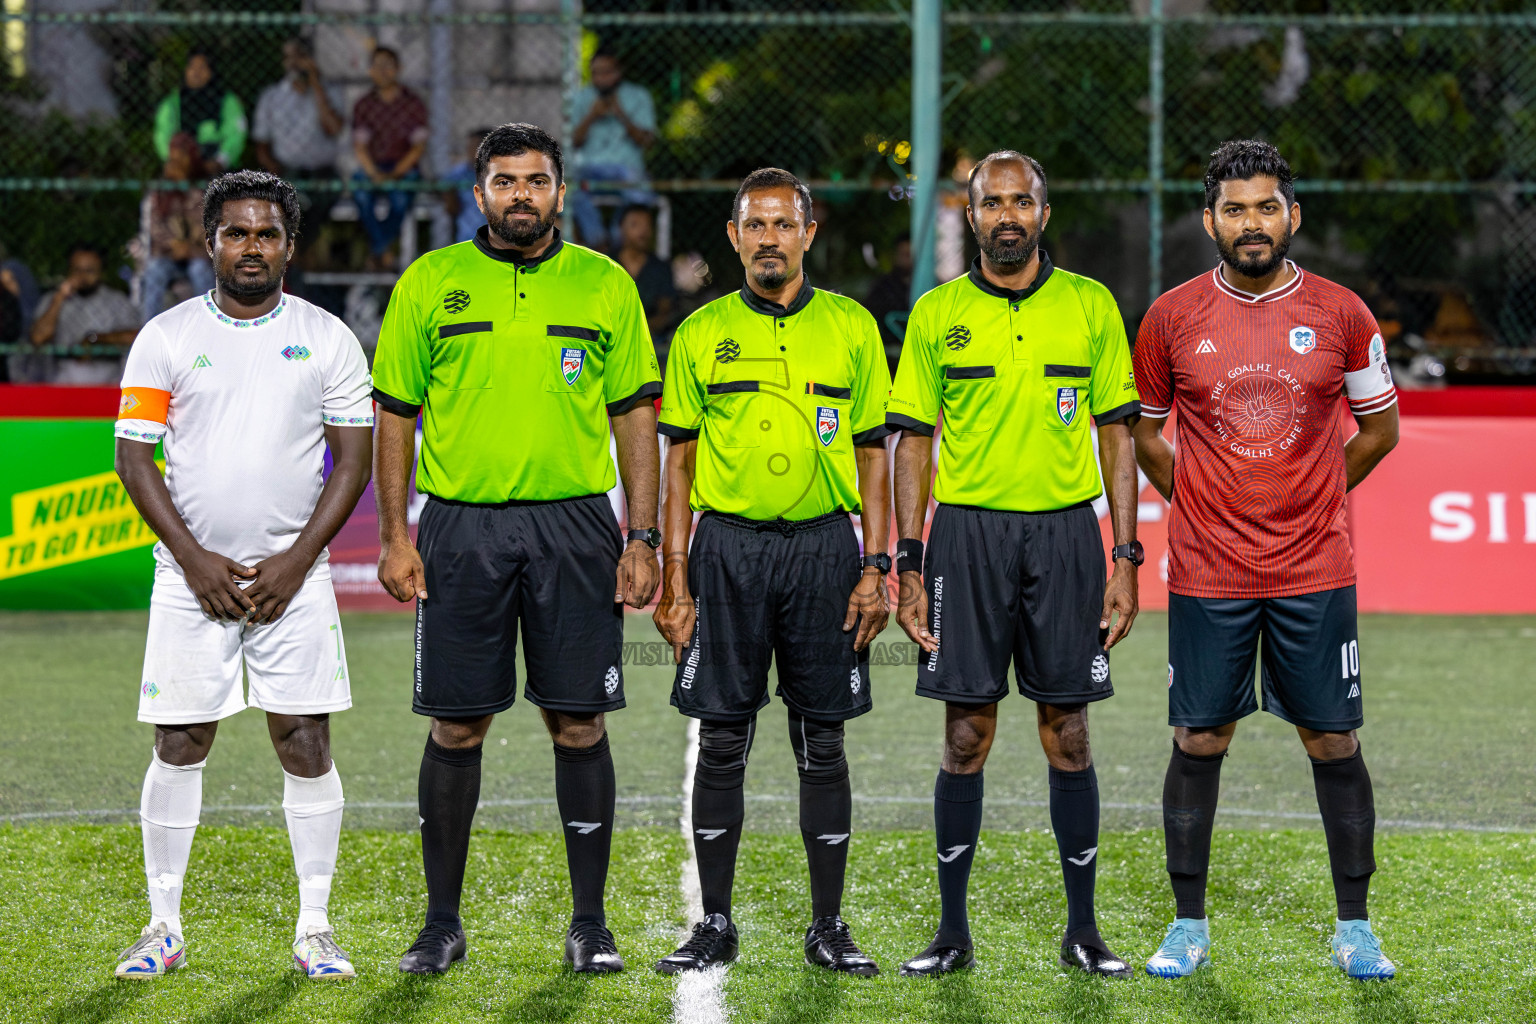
x=908, y=972
x=594, y=970
x=1069, y=965
x=858, y=972
x=674, y=969
x=1175, y=977
x=411, y=970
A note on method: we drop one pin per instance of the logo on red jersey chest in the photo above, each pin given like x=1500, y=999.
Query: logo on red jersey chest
x=1303, y=340
x=1259, y=409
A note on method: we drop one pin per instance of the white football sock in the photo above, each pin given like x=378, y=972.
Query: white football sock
x=313, y=809
x=168, y=814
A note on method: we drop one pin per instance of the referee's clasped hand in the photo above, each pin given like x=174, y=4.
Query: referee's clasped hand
x=1119, y=596
x=638, y=575
x=401, y=571
x=869, y=606
x=912, y=611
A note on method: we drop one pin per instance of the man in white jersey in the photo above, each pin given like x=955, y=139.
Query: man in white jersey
x=247, y=387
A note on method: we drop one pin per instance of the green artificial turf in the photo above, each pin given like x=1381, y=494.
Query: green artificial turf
x=1453, y=911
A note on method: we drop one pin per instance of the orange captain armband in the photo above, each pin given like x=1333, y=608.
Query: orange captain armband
x=144, y=404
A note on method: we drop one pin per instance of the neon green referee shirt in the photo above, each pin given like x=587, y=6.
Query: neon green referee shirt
x=777, y=397
x=517, y=365
x=1016, y=376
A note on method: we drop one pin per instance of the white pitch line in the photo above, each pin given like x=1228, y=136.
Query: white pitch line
x=700, y=995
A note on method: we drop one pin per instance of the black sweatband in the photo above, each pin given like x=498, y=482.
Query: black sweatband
x=909, y=556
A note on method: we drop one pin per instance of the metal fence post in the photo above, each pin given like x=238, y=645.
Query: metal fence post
x=927, y=32
x=440, y=46
x=1155, y=153
x=570, y=24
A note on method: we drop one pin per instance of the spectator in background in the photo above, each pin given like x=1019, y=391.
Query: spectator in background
x=389, y=136
x=206, y=111
x=81, y=313
x=616, y=123
x=890, y=299
x=651, y=273
x=297, y=122
x=20, y=288
x=460, y=204
x=10, y=316
x=173, y=222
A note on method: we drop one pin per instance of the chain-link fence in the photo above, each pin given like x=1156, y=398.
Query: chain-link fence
x=1413, y=134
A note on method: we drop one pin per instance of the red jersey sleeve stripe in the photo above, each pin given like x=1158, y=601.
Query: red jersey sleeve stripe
x=1375, y=404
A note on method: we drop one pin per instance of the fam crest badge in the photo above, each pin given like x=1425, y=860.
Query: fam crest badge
x=826, y=424
x=1066, y=405
x=1303, y=340
x=571, y=362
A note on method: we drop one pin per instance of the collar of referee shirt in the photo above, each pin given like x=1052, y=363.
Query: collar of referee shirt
x=1041, y=276
x=757, y=304
x=483, y=243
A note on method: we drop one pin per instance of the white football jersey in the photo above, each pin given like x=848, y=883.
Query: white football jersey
x=242, y=407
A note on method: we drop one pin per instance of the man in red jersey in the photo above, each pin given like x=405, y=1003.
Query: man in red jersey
x=1256, y=356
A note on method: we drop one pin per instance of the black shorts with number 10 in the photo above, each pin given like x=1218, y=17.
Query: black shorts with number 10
x=1025, y=588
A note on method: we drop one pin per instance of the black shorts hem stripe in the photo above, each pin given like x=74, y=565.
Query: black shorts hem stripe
x=716, y=715
x=822, y=715
x=389, y=403
x=1041, y=697
x=1192, y=722
x=470, y=712
x=1117, y=414
x=873, y=437
x=896, y=421
x=650, y=389
x=678, y=433
x=967, y=698
x=578, y=706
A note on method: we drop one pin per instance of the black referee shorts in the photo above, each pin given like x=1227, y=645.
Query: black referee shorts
x=549, y=565
x=1025, y=587
x=1311, y=668
x=760, y=595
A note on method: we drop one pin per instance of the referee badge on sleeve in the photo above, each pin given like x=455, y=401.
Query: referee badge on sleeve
x=1066, y=405
x=571, y=362
x=826, y=424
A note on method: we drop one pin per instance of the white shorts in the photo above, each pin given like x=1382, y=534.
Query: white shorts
x=296, y=665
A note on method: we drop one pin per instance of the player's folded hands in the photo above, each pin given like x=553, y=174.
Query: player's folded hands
x=212, y=579
x=277, y=579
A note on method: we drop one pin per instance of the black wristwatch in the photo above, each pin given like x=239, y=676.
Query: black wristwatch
x=651, y=537
x=882, y=561
x=1133, y=551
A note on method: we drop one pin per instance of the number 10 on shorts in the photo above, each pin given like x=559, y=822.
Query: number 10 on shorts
x=1349, y=656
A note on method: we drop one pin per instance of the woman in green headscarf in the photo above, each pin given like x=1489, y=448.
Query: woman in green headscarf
x=206, y=111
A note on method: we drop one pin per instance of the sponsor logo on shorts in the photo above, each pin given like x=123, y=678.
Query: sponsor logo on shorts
x=854, y=682
x=826, y=424
x=611, y=680
x=150, y=690
x=571, y=362
x=692, y=664
x=957, y=337
x=727, y=351
x=456, y=301
x=1100, y=669
x=938, y=612
x=1066, y=405
x=1303, y=340
x=1170, y=675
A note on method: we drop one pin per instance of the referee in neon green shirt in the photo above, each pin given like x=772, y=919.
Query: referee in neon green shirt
x=518, y=349
x=1015, y=356
x=775, y=406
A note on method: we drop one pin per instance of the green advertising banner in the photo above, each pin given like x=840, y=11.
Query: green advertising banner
x=69, y=536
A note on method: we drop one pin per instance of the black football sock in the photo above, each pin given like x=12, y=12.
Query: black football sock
x=1075, y=820
x=1348, y=806
x=1190, y=791
x=826, y=809
x=446, y=794
x=584, y=792
x=718, y=808
x=957, y=827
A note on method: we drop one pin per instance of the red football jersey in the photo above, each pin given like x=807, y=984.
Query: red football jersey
x=1258, y=474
